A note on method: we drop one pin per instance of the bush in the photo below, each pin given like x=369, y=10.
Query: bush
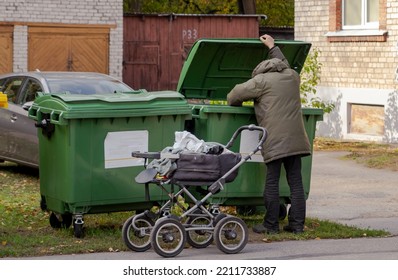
x=310, y=77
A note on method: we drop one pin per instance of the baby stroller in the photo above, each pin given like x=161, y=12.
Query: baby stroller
x=201, y=223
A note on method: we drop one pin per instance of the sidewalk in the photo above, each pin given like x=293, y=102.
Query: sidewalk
x=352, y=194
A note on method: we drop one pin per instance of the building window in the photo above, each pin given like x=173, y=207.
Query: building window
x=357, y=21
x=360, y=14
x=367, y=119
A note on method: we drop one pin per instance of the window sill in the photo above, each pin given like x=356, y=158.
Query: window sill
x=362, y=35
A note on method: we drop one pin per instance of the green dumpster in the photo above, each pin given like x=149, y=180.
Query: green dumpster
x=85, y=145
x=212, y=68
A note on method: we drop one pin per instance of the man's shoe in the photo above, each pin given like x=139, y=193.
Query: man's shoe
x=293, y=230
x=260, y=228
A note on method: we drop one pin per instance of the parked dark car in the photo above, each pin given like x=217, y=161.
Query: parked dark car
x=18, y=134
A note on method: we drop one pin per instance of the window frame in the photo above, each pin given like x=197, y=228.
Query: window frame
x=338, y=34
x=364, y=24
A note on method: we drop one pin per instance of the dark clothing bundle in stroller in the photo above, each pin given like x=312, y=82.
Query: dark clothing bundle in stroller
x=200, y=224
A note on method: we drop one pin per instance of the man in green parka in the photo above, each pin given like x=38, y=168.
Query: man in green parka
x=275, y=90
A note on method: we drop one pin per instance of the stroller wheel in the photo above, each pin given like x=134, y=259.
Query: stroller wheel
x=203, y=236
x=168, y=237
x=231, y=235
x=137, y=240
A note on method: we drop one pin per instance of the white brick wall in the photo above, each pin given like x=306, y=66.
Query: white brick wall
x=65, y=12
x=62, y=11
x=20, y=48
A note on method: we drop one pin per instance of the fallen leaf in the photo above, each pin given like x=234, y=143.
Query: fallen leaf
x=266, y=240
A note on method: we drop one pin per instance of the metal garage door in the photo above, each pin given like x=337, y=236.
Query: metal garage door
x=69, y=49
x=6, y=49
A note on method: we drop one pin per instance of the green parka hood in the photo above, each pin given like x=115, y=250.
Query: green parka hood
x=269, y=65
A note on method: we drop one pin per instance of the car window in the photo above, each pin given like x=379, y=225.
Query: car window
x=2, y=81
x=11, y=88
x=86, y=86
x=29, y=91
x=112, y=86
x=71, y=87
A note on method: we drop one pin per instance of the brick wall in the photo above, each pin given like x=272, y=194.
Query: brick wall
x=359, y=62
x=357, y=71
x=20, y=48
x=93, y=12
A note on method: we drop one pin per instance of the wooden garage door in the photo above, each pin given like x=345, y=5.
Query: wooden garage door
x=69, y=49
x=6, y=49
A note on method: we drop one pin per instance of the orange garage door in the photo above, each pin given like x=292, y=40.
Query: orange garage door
x=6, y=49
x=69, y=49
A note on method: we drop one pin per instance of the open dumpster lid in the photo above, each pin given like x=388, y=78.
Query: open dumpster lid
x=214, y=66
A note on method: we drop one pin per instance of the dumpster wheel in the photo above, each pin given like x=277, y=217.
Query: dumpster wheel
x=282, y=211
x=60, y=221
x=246, y=210
x=78, y=226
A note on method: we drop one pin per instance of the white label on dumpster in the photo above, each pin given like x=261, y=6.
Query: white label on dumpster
x=118, y=147
x=248, y=142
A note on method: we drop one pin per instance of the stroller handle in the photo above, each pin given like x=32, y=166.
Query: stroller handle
x=250, y=127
